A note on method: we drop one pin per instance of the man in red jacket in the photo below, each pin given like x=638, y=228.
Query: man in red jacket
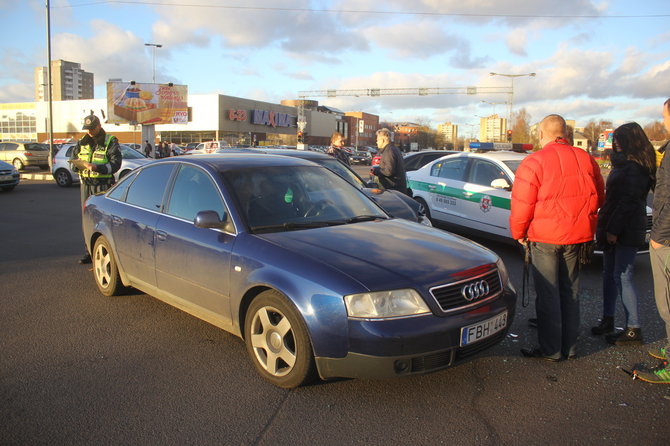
x=555, y=199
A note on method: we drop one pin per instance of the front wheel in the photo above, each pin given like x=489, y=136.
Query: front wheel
x=63, y=178
x=426, y=209
x=277, y=341
x=105, y=270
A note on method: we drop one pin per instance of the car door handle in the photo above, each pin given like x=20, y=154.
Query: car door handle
x=432, y=187
x=116, y=220
x=161, y=235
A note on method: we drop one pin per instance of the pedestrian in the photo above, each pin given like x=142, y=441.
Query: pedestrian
x=166, y=149
x=390, y=171
x=336, y=149
x=622, y=227
x=96, y=157
x=555, y=199
x=659, y=254
x=147, y=148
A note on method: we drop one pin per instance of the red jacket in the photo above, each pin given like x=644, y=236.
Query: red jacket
x=556, y=195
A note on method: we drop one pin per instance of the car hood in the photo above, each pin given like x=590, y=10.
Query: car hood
x=394, y=203
x=386, y=254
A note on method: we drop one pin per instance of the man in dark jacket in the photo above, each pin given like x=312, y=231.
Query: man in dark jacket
x=99, y=157
x=659, y=254
x=391, y=169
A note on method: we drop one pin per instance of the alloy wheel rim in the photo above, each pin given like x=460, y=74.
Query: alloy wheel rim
x=273, y=341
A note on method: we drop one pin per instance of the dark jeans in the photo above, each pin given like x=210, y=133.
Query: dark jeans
x=618, y=267
x=556, y=275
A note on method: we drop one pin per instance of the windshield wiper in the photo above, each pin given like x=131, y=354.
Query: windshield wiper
x=360, y=218
x=297, y=225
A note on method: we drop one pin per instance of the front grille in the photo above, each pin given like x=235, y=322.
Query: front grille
x=431, y=362
x=450, y=296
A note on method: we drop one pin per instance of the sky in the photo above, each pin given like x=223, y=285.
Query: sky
x=594, y=60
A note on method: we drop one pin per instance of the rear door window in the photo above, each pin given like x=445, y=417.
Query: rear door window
x=148, y=188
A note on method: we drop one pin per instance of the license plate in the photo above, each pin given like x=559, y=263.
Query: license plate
x=482, y=330
x=5, y=177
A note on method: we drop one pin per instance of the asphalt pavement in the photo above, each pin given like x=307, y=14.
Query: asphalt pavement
x=79, y=368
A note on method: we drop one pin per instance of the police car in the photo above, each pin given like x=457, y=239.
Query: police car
x=471, y=192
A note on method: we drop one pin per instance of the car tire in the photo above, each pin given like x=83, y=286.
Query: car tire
x=63, y=178
x=277, y=341
x=426, y=209
x=105, y=269
x=18, y=164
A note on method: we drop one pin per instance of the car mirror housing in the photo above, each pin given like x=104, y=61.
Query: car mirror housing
x=209, y=219
x=500, y=183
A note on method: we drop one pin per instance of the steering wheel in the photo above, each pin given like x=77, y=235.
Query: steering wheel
x=315, y=209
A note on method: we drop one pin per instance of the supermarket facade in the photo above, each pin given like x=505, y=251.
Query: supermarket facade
x=238, y=121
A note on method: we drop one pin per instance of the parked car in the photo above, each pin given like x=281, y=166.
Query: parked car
x=209, y=147
x=65, y=176
x=361, y=157
x=471, y=192
x=9, y=176
x=135, y=146
x=23, y=154
x=395, y=203
x=305, y=268
x=190, y=146
x=416, y=160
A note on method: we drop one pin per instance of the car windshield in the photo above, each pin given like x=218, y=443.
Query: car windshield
x=37, y=147
x=512, y=164
x=285, y=198
x=129, y=153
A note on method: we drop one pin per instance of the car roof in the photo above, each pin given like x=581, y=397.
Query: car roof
x=304, y=154
x=498, y=155
x=424, y=152
x=232, y=161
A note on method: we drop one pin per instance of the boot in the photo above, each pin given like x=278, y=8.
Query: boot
x=629, y=336
x=606, y=325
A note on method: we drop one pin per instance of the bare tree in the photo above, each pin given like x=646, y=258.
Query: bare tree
x=656, y=131
x=521, y=126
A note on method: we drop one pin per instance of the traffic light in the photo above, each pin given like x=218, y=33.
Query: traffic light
x=300, y=138
x=509, y=136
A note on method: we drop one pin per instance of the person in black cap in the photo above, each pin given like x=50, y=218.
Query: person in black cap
x=100, y=157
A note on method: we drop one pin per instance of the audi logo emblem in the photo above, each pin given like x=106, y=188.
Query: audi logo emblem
x=475, y=290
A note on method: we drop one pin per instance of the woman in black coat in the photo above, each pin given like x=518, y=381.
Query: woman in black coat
x=621, y=229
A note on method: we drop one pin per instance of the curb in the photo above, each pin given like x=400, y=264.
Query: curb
x=37, y=176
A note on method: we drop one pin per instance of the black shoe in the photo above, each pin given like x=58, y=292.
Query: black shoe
x=606, y=325
x=629, y=336
x=537, y=353
x=532, y=322
x=85, y=260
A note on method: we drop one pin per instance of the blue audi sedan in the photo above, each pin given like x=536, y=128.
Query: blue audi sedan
x=310, y=272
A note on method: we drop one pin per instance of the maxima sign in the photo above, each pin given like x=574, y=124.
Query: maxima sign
x=274, y=119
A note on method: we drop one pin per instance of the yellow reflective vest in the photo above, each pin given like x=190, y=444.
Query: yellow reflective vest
x=95, y=156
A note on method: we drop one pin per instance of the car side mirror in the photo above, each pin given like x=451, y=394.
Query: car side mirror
x=500, y=183
x=209, y=219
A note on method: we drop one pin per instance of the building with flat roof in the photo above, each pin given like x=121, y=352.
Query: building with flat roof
x=69, y=82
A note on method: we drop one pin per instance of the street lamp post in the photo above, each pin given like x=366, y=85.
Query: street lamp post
x=154, y=45
x=511, y=94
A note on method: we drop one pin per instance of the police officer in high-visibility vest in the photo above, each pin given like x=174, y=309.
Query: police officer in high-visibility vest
x=101, y=157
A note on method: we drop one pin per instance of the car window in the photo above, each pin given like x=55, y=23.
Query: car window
x=513, y=165
x=451, y=169
x=119, y=191
x=341, y=170
x=484, y=172
x=147, y=189
x=11, y=146
x=68, y=154
x=129, y=153
x=37, y=147
x=194, y=191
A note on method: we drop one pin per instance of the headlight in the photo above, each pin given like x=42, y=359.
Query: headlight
x=385, y=304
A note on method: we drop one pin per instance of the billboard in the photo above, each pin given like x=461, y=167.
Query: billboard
x=133, y=103
x=605, y=139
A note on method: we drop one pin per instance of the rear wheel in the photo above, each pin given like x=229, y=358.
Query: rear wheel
x=63, y=178
x=105, y=269
x=277, y=341
x=18, y=164
x=426, y=209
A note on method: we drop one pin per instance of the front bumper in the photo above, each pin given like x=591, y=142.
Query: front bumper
x=392, y=348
